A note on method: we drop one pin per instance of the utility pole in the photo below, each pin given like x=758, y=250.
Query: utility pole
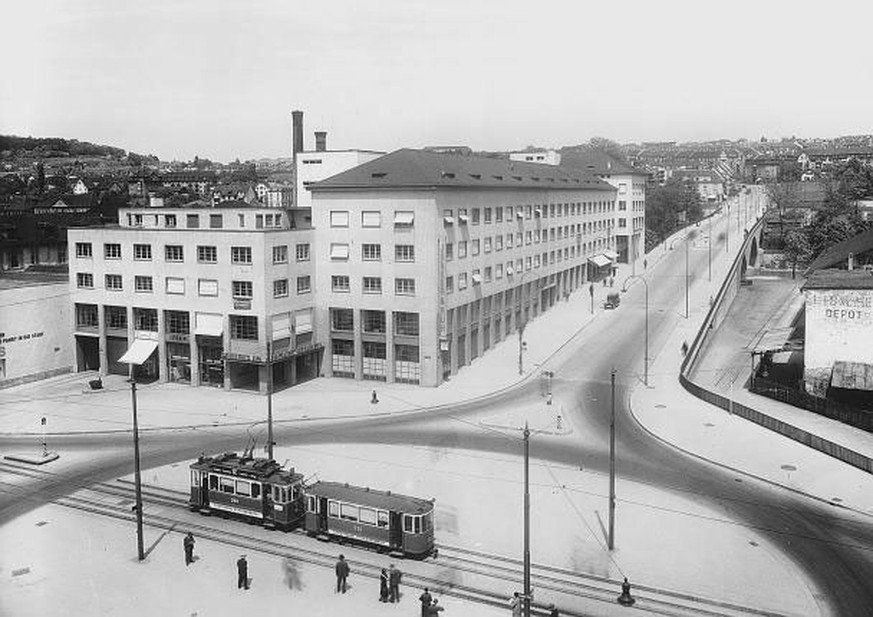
x=686, y=278
x=709, y=278
x=137, y=479
x=611, y=537
x=269, y=401
x=526, y=521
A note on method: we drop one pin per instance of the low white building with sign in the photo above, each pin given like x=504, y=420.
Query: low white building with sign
x=839, y=331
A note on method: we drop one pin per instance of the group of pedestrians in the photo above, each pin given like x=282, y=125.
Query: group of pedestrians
x=389, y=584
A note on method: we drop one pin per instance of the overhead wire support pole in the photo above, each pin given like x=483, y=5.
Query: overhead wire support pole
x=269, y=401
x=526, y=557
x=611, y=538
x=137, y=477
x=686, y=278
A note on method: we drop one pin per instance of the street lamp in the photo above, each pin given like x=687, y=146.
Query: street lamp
x=624, y=288
x=685, y=238
x=522, y=323
x=136, y=355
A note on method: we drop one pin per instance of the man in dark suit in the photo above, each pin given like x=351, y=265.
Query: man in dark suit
x=242, y=571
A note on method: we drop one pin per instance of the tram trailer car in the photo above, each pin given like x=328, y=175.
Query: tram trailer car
x=256, y=489
x=387, y=521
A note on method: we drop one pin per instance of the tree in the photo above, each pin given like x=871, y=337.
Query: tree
x=797, y=249
x=610, y=147
x=664, y=204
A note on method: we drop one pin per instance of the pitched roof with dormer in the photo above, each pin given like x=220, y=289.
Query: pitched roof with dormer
x=597, y=162
x=409, y=168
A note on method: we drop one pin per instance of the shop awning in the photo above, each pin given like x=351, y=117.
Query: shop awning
x=852, y=375
x=477, y=279
x=601, y=261
x=209, y=324
x=449, y=220
x=139, y=352
x=612, y=255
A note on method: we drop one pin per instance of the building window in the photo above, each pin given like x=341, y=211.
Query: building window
x=463, y=219
x=404, y=218
x=622, y=223
x=406, y=324
x=450, y=284
x=339, y=251
x=215, y=221
x=241, y=254
x=170, y=221
x=371, y=218
x=509, y=241
x=622, y=205
x=488, y=244
x=112, y=251
x=404, y=253
x=174, y=252
x=113, y=282
x=280, y=288
x=85, y=280
x=498, y=243
x=116, y=317
x=244, y=327
x=373, y=322
x=177, y=322
x=498, y=273
x=145, y=319
x=498, y=215
x=241, y=219
x=475, y=247
x=86, y=316
x=193, y=221
x=302, y=252
x=371, y=252
x=207, y=287
x=304, y=286
x=142, y=252
x=372, y=285
x=450, y=251
x=487, y=216
x=339, y=218
x=404, y=287
x=462, y=281
x=280, y=254
x=242, y=289
x=143, y=284
x=487, y=274
x=339, y=283
x=462, y=249
x=477, y=277
x=342, y=320
x=175, y=285
x=476, y=216
x=83, y=250
x=207, y=254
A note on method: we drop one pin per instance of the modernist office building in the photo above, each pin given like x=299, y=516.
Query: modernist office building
x=426, y=260
x=204, y=292
x=406, y=268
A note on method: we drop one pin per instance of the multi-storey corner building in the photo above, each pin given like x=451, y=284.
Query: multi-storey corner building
x=406, y=268
x=426, y=260
x=208, y=288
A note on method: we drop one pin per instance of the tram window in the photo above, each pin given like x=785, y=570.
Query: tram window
x=348, y=512
x=368, y=516
x=407, y=523
x=310, y=503
x=195, y=478
x=226, y=485
x=243, y=488
x=213, y=482
x=416, y=521
x=333, y=509
x=277, y=495
x=256, y=490
x=383, y=518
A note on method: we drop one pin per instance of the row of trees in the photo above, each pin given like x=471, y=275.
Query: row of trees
x=836, y=218
x=668, y=207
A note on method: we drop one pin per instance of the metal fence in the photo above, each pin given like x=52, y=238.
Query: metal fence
x=800, y=398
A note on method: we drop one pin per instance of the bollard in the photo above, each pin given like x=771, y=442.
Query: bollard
x=626, y=599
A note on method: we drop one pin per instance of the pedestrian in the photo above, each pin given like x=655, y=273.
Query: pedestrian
x=373, y=398
x=611, y=281
x=188, y=543
x=425, y=599
x=515, y=605
x=242, y=573
x=553, y=611
x=383, y=586
x=342, y=573
x=394, y=583
x=435, y=608
x=684, y=348
x=645, y=264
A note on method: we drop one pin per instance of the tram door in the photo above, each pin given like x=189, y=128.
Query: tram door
x=322, y=514
x=395, y=533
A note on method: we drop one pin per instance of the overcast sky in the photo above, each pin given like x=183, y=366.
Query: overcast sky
x=219, y=78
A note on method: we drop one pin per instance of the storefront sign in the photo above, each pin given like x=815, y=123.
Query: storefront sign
x=176, y=338
x=242, y=305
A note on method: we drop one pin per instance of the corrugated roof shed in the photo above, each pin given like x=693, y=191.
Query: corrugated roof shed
x=839, y=279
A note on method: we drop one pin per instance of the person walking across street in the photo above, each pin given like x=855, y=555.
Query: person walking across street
x=394, y=583
x=242, y=573
x=425, y=599
x=342, y=573
x=188, y=543
x=383, y=586
x=435, y=608
x=515, y=605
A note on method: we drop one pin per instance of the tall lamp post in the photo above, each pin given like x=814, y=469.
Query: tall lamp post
x=624, y=288
x=269, y=400
x=685, y=238
x=522, y=323
x=136, y=355
x=526, y=521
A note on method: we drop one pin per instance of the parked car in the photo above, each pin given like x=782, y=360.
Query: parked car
x=612, y=301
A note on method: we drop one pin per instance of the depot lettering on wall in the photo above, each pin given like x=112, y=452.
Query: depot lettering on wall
x=843, y=305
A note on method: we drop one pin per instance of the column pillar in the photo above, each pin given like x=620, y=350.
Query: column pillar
x=389, y=347
x=163, y=369
x=359, y=344
x=194, y=354
x=225, y=348
x=101, y=340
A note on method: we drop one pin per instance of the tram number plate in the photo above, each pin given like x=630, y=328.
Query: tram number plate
x=234, y=500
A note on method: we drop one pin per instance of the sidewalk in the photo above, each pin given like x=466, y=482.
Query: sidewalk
x=667, y=411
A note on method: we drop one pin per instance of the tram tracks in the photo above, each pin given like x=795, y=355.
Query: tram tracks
x=460, y=572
